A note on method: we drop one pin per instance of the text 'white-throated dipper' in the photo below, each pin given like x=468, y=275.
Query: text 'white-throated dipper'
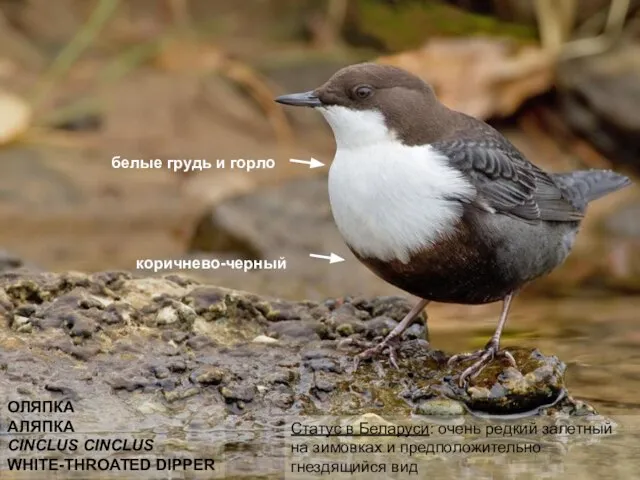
x=439, y=203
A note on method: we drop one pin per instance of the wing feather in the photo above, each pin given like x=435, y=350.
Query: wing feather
x=508, y=183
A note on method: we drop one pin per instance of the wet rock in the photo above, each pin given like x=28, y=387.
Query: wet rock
x=285, y=377
x=166, y=316
x=393, y=307
x=323, y=364
x=160, y=371
x=281, y=400
x=324, y=383
x=240, y=392
x=130, y=384
x=180, y=394
x=80, y=352
x=25, y=310
x=414, y=331
x=177, y=337
x=380, y=326
x=212, y=361
x=68, y=311
x=81, y=326
x=199, y=342
x=208, y=375
x=64, y=390
x=295, y=329
x=177, y=366
x=596, y=93
x=538, y=382
x=21, y=324
x=10, y=262
x=176, y=313
x=440, y=407
x=264, y=339
x=348, y=329
x=346, y=312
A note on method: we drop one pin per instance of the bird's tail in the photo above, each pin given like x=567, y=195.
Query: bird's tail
x=590, y=185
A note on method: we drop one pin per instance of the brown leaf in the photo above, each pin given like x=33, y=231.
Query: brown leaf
x=480, y=76
x=182, y=54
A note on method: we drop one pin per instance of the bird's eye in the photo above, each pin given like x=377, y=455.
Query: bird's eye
x=363, y=91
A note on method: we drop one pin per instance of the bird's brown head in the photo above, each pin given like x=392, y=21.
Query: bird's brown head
x=355, y=96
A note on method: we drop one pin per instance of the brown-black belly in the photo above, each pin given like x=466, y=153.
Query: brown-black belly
x=461, y=268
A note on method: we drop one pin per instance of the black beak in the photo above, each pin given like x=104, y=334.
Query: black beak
x=306, y=99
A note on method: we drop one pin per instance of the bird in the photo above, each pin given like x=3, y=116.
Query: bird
x=439, y=203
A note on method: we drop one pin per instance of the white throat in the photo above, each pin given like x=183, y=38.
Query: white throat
x=356, y=128
x=389, y=200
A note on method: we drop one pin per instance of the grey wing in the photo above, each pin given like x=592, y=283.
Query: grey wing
x=507, y=183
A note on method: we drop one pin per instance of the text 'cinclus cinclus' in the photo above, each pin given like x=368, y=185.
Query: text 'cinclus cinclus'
x=439, y=203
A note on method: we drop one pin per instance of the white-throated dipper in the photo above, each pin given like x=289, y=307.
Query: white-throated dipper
x=439, y=203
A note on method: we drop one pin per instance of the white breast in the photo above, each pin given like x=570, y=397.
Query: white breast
x=389, y=200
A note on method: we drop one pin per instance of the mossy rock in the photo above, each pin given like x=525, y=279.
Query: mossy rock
x=408, y=24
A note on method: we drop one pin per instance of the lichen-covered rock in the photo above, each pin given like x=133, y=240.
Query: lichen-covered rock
x=196, y=344
x=537, y=383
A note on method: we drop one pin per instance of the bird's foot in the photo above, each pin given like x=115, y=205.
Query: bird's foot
x=484, y=358
x=389, y=344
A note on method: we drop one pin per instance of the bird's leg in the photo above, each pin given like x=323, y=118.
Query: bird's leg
x=490, y=351
x=393, y=335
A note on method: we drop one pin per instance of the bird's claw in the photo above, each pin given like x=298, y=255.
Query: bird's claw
x=484, y=356
x=388, y=344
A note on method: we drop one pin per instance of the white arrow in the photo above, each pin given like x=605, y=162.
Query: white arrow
x=313, y=163
x=333, y=258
